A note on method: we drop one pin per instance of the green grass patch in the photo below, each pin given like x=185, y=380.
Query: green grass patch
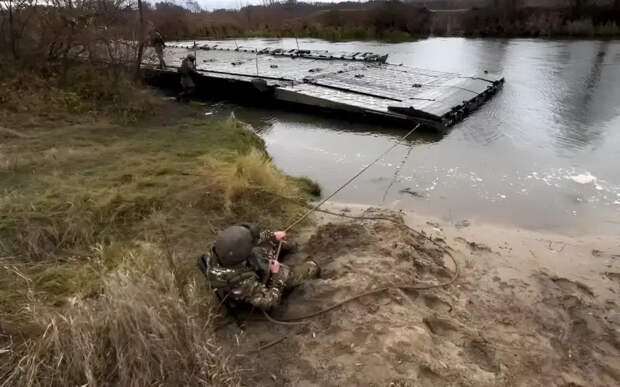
x=30, y=99
x=87, y=206
x=309, y=186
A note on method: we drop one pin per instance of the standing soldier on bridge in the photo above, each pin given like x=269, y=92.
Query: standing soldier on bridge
x=157, y=41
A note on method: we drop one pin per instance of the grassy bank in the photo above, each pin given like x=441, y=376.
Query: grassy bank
x=101, y=224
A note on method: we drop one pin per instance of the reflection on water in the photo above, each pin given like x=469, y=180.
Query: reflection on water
x=542, y=154
x=265, y=122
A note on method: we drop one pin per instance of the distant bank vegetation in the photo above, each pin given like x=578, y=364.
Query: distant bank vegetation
x=112, y=31
x=393, y=20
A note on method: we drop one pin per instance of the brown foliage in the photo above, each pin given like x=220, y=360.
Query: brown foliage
x=35, y=35
x=387, y=20
x=53, y=92
x=145, y=329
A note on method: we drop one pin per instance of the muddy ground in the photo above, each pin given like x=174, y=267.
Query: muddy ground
x=528, y=309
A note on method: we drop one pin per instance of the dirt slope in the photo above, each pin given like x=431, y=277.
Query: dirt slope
x=528, y=309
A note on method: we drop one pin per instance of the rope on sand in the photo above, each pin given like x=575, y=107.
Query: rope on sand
x=302, y=319
x=299, y=319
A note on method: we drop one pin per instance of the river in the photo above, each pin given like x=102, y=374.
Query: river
x=544, y=153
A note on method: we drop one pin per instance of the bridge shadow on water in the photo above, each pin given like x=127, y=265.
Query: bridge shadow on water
x=251, y=106
x=263, y=118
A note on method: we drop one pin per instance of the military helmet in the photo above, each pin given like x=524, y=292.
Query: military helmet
x=191, y=57
x=233, y=245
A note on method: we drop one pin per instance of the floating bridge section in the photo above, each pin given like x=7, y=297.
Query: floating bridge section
x=361, y=84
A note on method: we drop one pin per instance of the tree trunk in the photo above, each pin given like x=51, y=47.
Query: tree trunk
x=12, y=31
x=141, y=41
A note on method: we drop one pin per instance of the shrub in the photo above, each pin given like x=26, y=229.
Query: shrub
x=253, y=170
x=609, y=29
x=581, y=27
x=86, y=89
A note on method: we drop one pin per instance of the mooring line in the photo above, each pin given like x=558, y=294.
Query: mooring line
x=396, y=173
x=343, y=186
x=298, y=319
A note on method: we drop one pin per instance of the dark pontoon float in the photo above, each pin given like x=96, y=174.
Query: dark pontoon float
x=360, y=84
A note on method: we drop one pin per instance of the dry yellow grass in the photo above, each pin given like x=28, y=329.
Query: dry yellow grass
x=100, y=229
x=250, y=171
x=142, y=330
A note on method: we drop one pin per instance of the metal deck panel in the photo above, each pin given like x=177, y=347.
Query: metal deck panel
x=345, y=84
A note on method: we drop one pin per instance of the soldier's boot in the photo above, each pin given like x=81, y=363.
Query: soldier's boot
x=302, y=272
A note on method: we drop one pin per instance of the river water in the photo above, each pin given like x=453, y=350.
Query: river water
x=544, y=153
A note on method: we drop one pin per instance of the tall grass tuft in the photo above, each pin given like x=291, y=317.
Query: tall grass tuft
x=144, y=329
x=251, y=171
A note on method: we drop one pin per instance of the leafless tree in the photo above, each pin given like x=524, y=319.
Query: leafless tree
x=37, y=32
x=193, y=6
x=140, y=40
x=18, y=15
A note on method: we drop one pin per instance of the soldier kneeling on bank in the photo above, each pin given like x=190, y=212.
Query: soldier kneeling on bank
x=242, y=266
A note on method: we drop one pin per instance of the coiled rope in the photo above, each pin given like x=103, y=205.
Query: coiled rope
x=296, y=320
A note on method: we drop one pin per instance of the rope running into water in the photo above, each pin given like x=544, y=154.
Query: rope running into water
x=298, y=319
x=343, y=186
x=310, y=211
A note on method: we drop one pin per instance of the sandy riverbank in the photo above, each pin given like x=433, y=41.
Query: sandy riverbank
x=529, y=308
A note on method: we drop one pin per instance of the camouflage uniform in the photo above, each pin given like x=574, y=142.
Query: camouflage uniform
x=245, y=281
x=158, y=44
x=187, y=70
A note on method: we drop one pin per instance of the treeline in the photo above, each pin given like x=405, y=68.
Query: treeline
x=37, y=32
x=518, y=18
x=73, y=55
x=391, y=20
x=340, y=21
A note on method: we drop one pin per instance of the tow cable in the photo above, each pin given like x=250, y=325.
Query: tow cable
x=302, y=319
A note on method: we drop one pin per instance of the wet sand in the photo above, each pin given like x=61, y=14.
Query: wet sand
x=529, y=308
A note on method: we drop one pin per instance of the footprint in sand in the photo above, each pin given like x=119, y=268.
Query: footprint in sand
x=442, y=327
x=483, y=354
x=572, y=287
x=613, y=276
x=436, y=303
x=427, y=377
x=474, y=247
x=430, y=301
